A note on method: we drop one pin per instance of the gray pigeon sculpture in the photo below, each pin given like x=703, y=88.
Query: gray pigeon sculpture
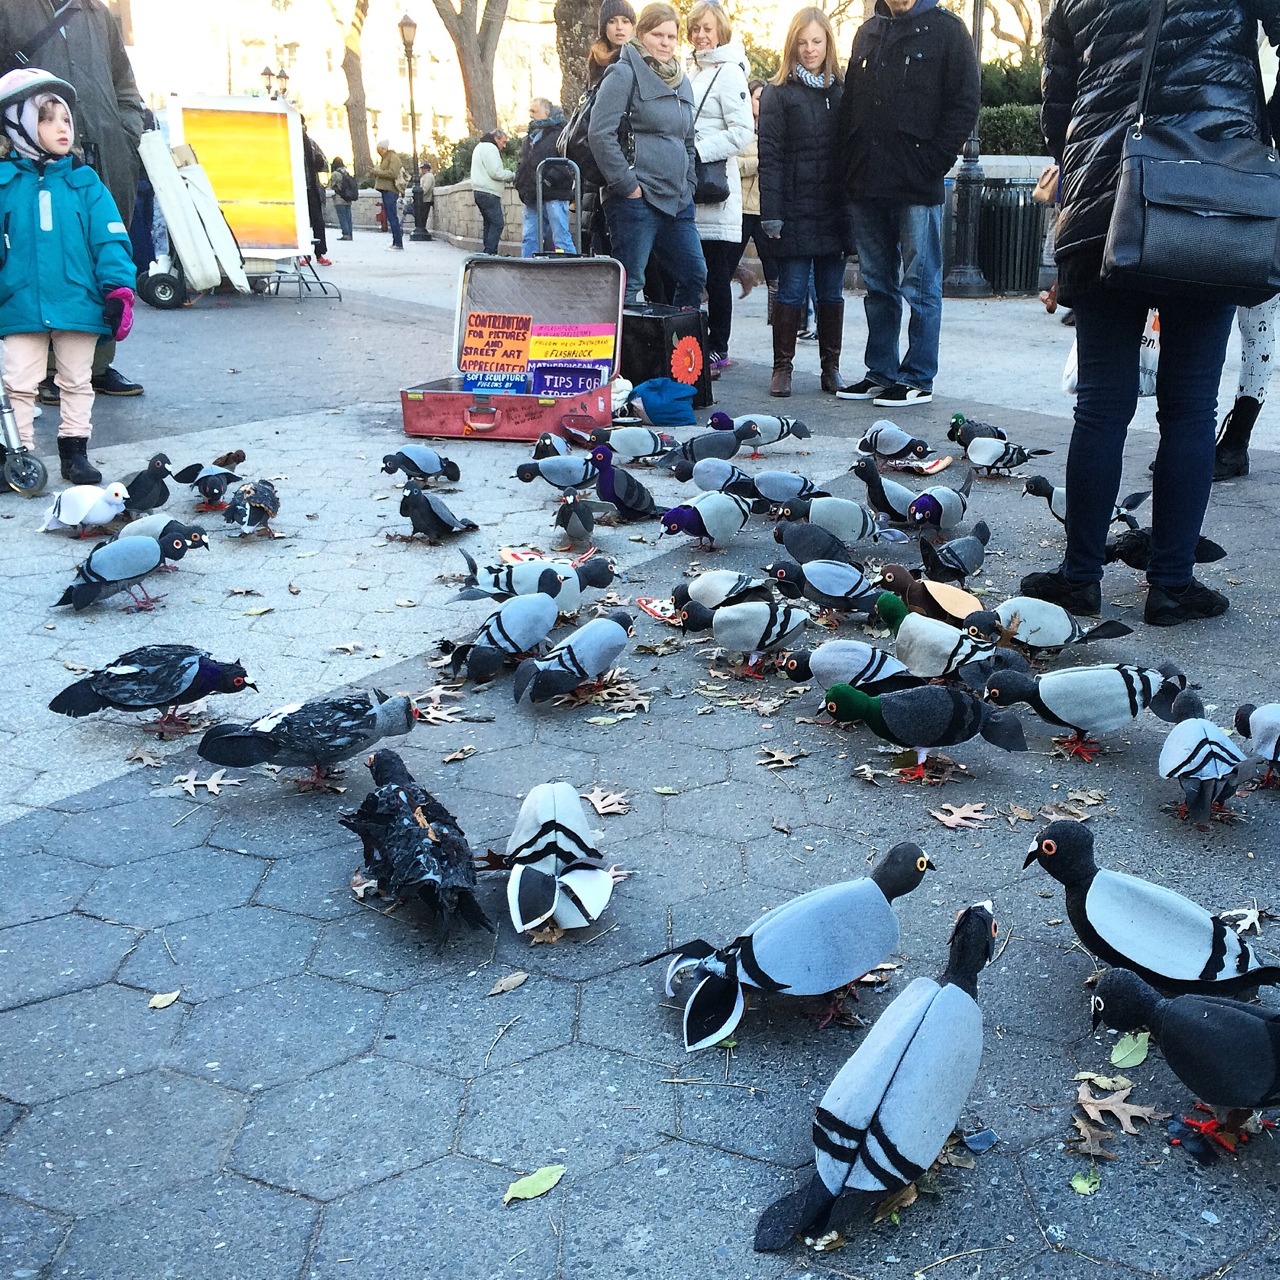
x=1260, y=727
x=955, y=561
x=851, y=662
x=516, y=628
x=420, y=463
x=121, y=565
x=586, y=654
x=888, y=1113
x=1203, y=759
x=849, y=521
x=812, y=945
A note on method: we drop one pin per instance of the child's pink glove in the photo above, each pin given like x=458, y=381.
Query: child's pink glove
x=118, y=312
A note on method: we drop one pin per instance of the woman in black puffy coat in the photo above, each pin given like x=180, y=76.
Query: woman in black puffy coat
x=801, y=195
x=1205, y=78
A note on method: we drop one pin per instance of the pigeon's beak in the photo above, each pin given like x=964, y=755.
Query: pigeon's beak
x=1030, y=858
x=1096, y=1016
x=248, y=684
x=929, y=864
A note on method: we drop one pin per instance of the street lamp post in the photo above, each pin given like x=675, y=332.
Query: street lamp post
x=281, y=81
x=965, y=279
x=409, y=29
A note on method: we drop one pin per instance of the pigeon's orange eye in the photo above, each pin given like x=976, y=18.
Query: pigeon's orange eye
x=781, y=573
x=238, y=681
x=831, y=706
x=1048, y=847
x=792, y=665
x=994, y=929
x=922, y=865
x=993, y=691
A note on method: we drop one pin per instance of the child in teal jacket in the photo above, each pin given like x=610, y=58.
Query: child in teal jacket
x=66, y=266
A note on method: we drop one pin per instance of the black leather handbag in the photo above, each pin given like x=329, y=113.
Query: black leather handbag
x=711, y=177
x=1193, y=217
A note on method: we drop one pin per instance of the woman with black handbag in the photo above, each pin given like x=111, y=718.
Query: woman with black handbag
x=1154, y=110
x=723, y=128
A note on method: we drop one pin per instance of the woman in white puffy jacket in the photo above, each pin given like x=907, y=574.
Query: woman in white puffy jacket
x=723, y=129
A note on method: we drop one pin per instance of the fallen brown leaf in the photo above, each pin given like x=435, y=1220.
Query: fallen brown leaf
x=1089, y=1140
x=547, y=935
x=509, y=982
x=775, y=759
x=461, y=754
x=294, y=591
x=962, y=816
x=213, y=784
x=163, y=1001
x=244, y=591
x=362, y=884
x=144, y=758
x=1116, y=1104
x=903, y=1198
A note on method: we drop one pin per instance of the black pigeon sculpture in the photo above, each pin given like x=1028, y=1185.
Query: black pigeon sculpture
x=212, y=480
x=805, y=542
x=430, y=516
x=253, y=506
x=421, y=463
x=147, y=490
x=317, y=734
x=1133, y=547
x=414, y=847
x=1166, y=939
x=891, y=1108
x=157, y=677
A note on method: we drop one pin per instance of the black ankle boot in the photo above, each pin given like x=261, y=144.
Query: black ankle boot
x=76, y=467
x=1231, y=456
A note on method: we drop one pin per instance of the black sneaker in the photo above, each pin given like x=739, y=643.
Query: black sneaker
x=864, y=389
x=900, y=396
x=111, y=382
x=48, y=393
x=1168, y=606
x=1082, y=598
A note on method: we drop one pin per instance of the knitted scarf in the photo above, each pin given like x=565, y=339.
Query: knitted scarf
x=807, y=77
x=671, y=73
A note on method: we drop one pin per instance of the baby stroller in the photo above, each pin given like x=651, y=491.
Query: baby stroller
x=24, y=473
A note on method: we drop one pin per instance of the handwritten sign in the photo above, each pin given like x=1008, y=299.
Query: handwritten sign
x=494, y=342
x=495, y=384
x=572, y=342
x=565, y=378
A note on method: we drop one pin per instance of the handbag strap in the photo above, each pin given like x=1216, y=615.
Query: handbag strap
x=706, y=95
x=22, y=57
x=1154, y=22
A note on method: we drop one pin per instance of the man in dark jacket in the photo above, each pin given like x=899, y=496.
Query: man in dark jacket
x=87, y=50
x=910, y=102
x=546, y=121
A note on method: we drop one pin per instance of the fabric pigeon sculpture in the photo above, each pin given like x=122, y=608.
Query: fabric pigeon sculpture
x=721, y=586
x=1133, y=547
x=157, y=677
x=557, y=873
x=710, y=444
x=121, y=565
x=1227, y=1053
x=891, y=499
x=888, y=442
x=85, y=505
x=586, y=654
x=999, y=455
x=1204, y=760
x=810, y=946
x=575, y=519
x=413, y=846
x=1041, y=624
x=317, y=734
x=848, y=521
x=955, y=561
x=502, y=581
x=921, y=719
x=213, y=480
x=1166, y=939
x=429, y=515
x=891, y=1108
x=560, y=473
x=549, y=446
x=941, y=506
x=717, y=475
x=966, y=430
x=751, y=628
x=1090, y=700
x=934, y=650
x=833, y=585
x=1260, y=726
x=147, y=490
x=420, y=463
x=921, y=595
x=1039, y=487
x=852, y=662
x=253, y=506
x=805, y=542
x=516, y=628
x=630, y=498
x=714, y=518
x=633, y=444
x=762, y=428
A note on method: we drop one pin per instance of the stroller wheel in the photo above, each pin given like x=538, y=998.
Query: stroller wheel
x=25, y=474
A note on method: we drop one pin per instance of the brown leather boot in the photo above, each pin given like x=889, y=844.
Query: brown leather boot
x=830, y=340
x=786, y=325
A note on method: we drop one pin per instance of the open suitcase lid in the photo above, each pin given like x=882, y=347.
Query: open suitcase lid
x=547, y=326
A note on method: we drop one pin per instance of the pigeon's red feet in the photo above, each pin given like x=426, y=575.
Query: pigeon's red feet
x=210, y=506
x=319, y=779
x=833, y=1010
x=1270, y=779
x=916, y=773
x=1080, y=746
x=171, y=722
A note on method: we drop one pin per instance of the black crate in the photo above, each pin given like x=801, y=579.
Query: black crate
x=650, y=335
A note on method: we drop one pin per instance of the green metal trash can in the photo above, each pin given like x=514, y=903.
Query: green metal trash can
x=1011, y=231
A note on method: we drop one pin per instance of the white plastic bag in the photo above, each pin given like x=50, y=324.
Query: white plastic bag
x=1148, y=360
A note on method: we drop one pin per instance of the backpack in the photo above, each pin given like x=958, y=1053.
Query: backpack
x=574, y=143
x=348, y=188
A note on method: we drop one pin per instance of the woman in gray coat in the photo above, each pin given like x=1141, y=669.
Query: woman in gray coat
x=642, y=138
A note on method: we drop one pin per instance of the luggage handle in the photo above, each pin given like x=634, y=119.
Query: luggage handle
x=480, y=419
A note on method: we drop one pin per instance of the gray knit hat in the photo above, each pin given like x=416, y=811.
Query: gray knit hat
x=611, y=9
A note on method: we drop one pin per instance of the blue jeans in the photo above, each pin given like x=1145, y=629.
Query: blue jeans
x=1193, y=345
x=900, y=256
x=389, y=202
x=793, y=279
x=637, y=229
x=344, y=218
x=555, y=229
x=490, y=207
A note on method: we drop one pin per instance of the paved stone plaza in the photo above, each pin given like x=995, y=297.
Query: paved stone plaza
x=333, y=1093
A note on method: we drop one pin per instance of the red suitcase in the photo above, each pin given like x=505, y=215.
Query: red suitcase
x=535, y=347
